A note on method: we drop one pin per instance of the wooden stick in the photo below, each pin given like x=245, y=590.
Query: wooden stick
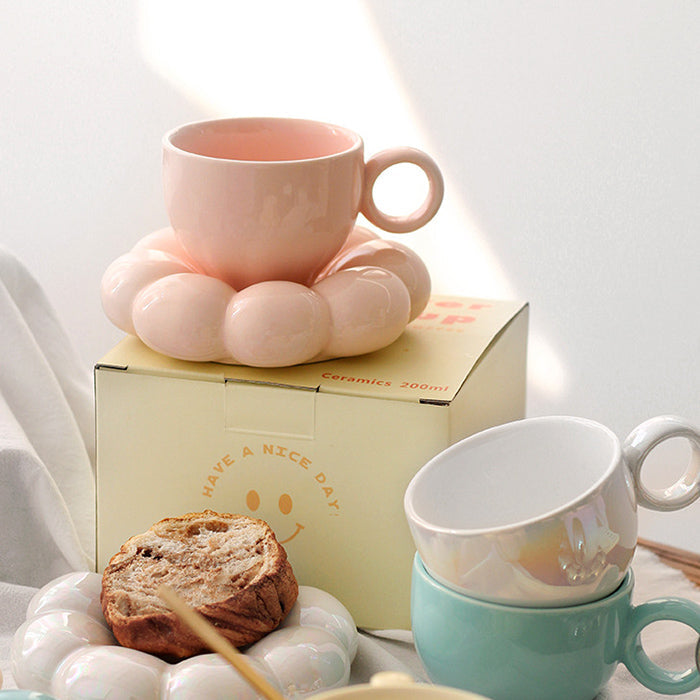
x=685, y=561
x=217, y=642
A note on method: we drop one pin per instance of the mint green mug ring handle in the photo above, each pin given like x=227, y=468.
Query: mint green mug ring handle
x=653, y=676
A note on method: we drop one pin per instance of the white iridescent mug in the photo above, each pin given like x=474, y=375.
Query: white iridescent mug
x=542, y=511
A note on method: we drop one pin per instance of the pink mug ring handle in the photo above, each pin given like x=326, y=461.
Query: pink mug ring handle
x=377, y=164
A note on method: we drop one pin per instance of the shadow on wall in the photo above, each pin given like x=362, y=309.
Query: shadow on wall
x=567, y=131
x=571, y=133
x=85, y=115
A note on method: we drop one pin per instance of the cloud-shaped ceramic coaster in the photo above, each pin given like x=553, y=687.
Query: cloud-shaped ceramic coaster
x=66, y=649
x=360, y=302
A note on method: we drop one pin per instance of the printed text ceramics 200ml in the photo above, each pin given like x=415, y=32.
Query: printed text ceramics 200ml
x=541, y=511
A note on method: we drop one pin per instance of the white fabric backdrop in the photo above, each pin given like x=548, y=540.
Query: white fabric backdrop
x=46, y=438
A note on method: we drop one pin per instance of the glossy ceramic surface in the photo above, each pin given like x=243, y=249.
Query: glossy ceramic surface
x=508, y=652
x=65, y=649
x=360, y=302
x=397, y=686
x=263, y=265
x=541, y=511
x=253, y=200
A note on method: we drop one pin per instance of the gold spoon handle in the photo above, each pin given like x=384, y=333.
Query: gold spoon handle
x=216, y=642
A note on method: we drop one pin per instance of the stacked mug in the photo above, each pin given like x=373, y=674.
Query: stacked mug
x=263, y=264
x=522, y=586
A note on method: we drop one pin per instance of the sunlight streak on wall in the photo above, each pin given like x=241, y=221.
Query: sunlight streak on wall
x=283, y=59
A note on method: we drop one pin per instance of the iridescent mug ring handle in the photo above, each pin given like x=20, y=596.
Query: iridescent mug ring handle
x=642, y=440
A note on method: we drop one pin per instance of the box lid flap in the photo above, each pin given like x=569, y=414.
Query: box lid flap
x=428, y=363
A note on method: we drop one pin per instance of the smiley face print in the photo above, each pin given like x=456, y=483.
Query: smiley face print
x=285, y=505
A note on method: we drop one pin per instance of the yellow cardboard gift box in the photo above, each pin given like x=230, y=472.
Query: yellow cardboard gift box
x=323, y=452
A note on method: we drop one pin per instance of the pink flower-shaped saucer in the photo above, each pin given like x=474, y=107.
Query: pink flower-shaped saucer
x=360, y=302
x=66, y=649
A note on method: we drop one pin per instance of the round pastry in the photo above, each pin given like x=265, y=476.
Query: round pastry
x=230, y=568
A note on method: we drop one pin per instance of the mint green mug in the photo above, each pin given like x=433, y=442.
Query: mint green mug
x=506, y=652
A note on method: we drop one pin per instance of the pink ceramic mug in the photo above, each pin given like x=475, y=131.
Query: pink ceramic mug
x=258, y=199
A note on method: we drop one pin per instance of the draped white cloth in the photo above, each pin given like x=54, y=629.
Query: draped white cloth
x=47, y=491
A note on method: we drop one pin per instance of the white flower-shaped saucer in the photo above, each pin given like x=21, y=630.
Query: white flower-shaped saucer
x=66, y=649
x=361, y=302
